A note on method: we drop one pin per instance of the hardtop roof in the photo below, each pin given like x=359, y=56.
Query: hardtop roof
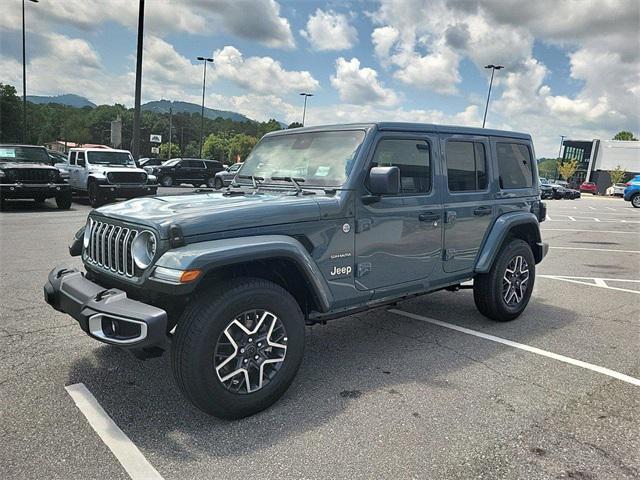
x=407, y=127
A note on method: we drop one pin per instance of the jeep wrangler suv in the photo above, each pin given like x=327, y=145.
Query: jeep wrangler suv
x=319, y=223
x=26, y=171
x=106, y=174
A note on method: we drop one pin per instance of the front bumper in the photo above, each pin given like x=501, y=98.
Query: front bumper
x=30, y=190
x=106, y=315
x=128, y=190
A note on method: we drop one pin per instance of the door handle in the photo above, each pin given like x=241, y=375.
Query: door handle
x=480, y=211
x=428, y=217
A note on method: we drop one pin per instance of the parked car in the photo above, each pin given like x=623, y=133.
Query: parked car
x=106, y=174
x=632, y=191
x=357, y=228
x=195, y=171
x=589, y=187
x=617, y=189
x=225, y=177
x=57, y=157
x=148, y=163
x=26, y=172
x=546, y=189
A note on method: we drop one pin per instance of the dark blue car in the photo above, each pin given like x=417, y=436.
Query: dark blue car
x=632, y=192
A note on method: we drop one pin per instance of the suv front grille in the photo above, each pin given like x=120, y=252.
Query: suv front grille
x=110, y=247
x=127, y=177
x=34, y=175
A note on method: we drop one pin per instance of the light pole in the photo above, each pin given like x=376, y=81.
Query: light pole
x=136, y=111
x=204, y=82
x=562, y=137
x=24, y=77
x=493, y=69
x=304, y=109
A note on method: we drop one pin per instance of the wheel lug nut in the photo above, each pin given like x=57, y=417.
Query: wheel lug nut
x=285, y=339
x=242, y=350
x=256, y=357
x=259, y=344
x=250, y=340
x=245, y=360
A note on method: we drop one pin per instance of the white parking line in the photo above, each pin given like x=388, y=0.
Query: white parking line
x=595, y=249
x=132, y=459
x=522, y=346
x=582, y=230
x=597, y=282
x=590, y=220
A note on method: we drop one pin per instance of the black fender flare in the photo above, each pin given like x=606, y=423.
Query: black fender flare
x=210, y=255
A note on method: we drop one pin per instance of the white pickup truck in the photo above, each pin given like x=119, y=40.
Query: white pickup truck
x=106, y=174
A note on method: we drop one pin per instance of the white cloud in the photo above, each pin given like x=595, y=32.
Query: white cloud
x=256, y=20
x=384, y=38
x=436, y=71
x=329, y=31
x=360, y=85
x=260, y=74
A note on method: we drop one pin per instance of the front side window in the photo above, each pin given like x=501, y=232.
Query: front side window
x=80, y=159
x=322, y=159
x=466, y=166
x=110, y=158
x=514, y=165
x=412, y=157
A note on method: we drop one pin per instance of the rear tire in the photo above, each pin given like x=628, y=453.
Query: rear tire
x=200, y=369
x=218, y=183
x=494, y=294
x=635, y=200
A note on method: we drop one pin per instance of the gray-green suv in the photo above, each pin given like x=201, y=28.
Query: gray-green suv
x=319, y=223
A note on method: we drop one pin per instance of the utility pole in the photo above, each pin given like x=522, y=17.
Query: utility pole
x=24, y=77
x=204, y=83
x=170, y=125
x=136, y=111
x=562, y=137
x=493, y=69
x=304, y=109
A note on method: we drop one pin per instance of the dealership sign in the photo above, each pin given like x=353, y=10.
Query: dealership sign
x=155, y=138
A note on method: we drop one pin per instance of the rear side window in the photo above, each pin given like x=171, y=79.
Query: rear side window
x=192, y=164
x=412, y=157
x=466, y=166
x=514, y=164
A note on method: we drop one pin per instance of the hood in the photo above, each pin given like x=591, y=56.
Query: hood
x=209, y=212
x=26, y=165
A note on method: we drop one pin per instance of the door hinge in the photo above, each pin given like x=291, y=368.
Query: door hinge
x=363, y=225
x=448, y=254
x=363, y=269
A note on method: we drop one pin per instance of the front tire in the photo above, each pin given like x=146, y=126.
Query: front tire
x=167, y=181
x=236, y=350
x=504, y=292
x=63, y=201
x=635, y=200
x=211, y=182
x=96, y=199
x=218, y=183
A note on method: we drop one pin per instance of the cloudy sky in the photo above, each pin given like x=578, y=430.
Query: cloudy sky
x=571, y=67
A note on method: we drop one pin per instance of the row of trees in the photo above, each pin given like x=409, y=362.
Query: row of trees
x=225, y=139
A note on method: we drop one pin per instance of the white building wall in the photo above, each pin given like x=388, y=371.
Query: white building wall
x=613, y=153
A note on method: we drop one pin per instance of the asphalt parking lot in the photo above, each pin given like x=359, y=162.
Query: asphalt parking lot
x=430, y=389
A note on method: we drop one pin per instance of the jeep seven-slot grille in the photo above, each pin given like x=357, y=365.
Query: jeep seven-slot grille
x=34, y=175
x=110, y=247
x=127, y=177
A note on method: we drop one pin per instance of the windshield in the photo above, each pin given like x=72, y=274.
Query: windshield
x=112, y=158
x=320, y=158
x=171, y=163
x=24, y=154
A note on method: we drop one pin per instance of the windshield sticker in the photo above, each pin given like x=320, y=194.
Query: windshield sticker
x=322, y=171
x=7, y=153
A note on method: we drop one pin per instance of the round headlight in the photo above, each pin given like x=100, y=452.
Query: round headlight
x=144, y=249
x=87, y=233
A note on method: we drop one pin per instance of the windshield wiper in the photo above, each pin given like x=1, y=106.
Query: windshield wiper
x=295, y=180
x=256, y=181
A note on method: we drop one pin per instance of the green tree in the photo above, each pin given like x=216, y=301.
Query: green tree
x=548, y=167
x=10, y=121
x=191, y=149
x=617, y=175
x=165, y=153
x=567, y=169
x=625, y=135
x=216, y=147
x=295, y=125
x=271, y=126
x=240, y=146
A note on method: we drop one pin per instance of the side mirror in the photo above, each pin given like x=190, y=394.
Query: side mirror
x=384, y=180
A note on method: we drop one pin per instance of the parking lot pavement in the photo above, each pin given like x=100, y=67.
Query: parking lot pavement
x=380, y=394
